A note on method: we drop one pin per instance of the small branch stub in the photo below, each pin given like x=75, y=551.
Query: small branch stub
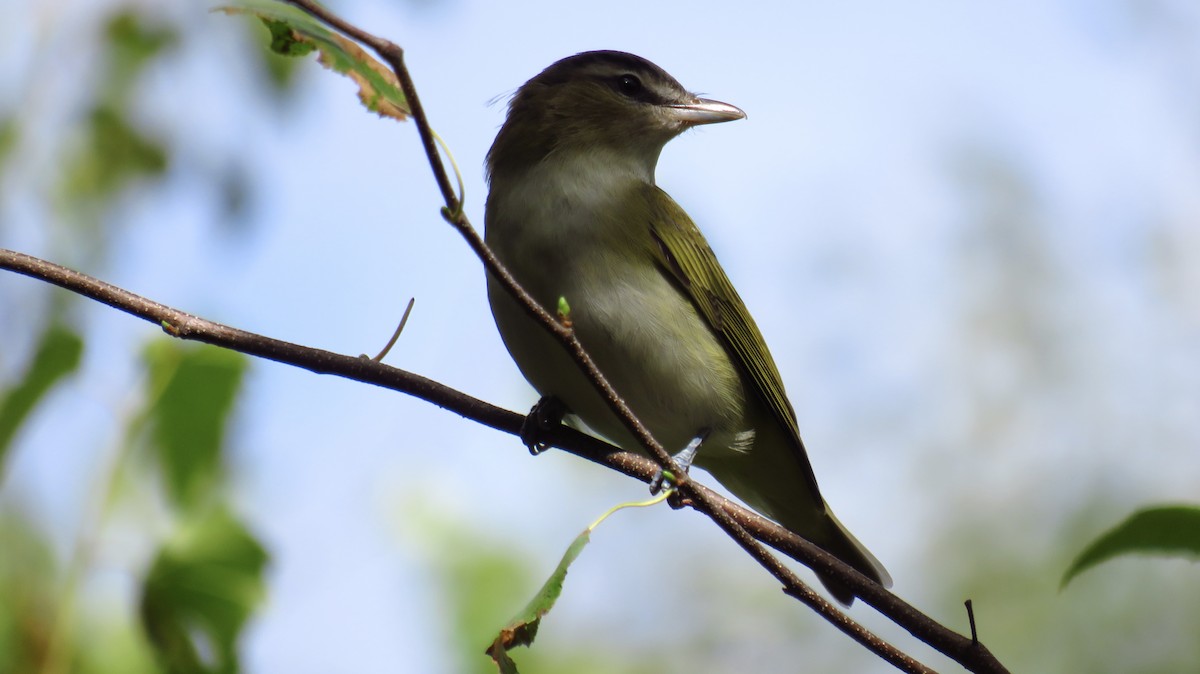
x=971, y=620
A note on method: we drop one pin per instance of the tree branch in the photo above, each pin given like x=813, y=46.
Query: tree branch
x=702, y=499
x=360, y=368
x=746, y=527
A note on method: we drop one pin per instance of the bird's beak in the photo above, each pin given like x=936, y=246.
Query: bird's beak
x=705, y=111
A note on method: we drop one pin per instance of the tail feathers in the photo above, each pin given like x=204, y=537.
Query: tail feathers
x=840, y=543
x=771, y=489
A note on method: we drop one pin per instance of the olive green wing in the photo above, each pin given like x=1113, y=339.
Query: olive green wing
x=683, y=252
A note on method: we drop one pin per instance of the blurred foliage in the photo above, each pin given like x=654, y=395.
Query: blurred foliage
x=114, y=150
x=193, y=392
x=57, y=355
x=27, y=569
x=203, y=583
x=207, y=578
x=8, y=137
x=35, y=635
x=111, y=141
x=134, y=41
x=112, y=155
x=202, y=587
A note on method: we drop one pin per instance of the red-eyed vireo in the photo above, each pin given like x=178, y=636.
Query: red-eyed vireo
x=574, y=213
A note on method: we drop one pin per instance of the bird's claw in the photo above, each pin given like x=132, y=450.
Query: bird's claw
x=545, y=416
x=684, y=459
x=660, y=478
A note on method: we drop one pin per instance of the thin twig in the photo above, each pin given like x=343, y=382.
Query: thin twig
x=399, y=329
x=971, y=619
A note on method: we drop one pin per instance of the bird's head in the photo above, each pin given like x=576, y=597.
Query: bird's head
x=600, y=102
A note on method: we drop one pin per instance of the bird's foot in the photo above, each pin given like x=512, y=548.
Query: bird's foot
x=545, y=416
x=683, y=458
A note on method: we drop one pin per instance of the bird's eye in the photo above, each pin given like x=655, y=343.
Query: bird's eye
x=629, y=85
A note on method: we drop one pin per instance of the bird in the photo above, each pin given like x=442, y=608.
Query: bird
x=575, y=215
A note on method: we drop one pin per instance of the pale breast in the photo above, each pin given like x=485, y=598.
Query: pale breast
x=557, y=235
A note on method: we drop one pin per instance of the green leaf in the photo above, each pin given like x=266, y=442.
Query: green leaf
x=1163, y=530
x=57, y=355
x=199, y=592
x=192, y=389
x=521, y=630
x=284, y=40
x=295, y=33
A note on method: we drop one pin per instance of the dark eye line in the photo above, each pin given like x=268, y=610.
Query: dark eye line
x=631, y=86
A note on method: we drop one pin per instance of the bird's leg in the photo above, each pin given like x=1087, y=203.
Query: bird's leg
x=684, y=458
x=545, y=416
